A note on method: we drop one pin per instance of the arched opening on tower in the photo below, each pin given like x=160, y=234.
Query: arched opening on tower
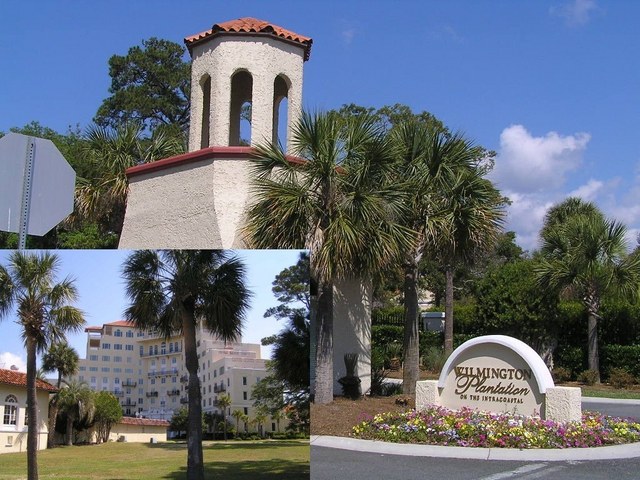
x=205, y=84
x=240, y=112
x=280, y=110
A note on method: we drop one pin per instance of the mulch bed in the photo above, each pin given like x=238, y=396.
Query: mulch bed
x=340, y=416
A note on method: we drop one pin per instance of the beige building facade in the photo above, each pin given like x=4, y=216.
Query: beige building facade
x=148, y=374
x=13, y=408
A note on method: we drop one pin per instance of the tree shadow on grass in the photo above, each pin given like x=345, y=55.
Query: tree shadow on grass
x=274, y=469
x=239, y=445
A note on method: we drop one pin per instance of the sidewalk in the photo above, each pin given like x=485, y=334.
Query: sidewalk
x=631, y=450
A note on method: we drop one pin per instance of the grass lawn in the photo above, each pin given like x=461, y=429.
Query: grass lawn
x=269, y=459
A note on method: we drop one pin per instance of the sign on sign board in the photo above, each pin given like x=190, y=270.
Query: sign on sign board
x=36, y=185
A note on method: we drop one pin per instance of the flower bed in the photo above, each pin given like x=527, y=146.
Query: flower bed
x=473, y=428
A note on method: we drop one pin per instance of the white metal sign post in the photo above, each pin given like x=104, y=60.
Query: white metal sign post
x=36, y=186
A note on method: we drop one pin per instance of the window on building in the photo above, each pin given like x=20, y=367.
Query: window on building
x=153, y=381
x=26, y=416
x=83, y=369
x=117, y=333
x=93, y=358
x=117, y=381
x=228, y=382
x=10, y=410
x=141, y=351
x=93, y=380
x=10, y=441
x=221, y=370
x=174, y=379
x=117, y=346
x=163, y=361
x=106, y=358
x=106, y=346
x=170, y=347
x=150, y=349
x=105, y=369
x=105, y=379
x=129, y=334
x=244, y=380
x=128, y=347
x=244, y=395
x=117, y=359
x=155, y=349
x=246, y=410
x=163, y=380
x=163, y=348
x=174, y=360
x=93, y=369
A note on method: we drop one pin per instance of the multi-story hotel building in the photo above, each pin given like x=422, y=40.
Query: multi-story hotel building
x=148, y=374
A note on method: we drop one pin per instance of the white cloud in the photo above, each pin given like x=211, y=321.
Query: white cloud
x=589, y=191
x=7, y=359
x=576, y=13
x=532, y=164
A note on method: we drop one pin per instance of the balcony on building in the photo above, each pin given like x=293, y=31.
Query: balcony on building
x=184, y=399
x=129, y=403
x=171, y=393
x=219, y=388
x=153, y=393
x=129, y=384
x=118, y=393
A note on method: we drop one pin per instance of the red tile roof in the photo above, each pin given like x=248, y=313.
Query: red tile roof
x=121, y=323
x=11, y=377
x=143, y=421
x=251, y=26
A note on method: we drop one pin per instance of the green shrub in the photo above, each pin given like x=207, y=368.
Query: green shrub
x=561, y=374
x=434, y=359
x=588, y=377
x=621, y=378
x=573, y=359
x=620, y=356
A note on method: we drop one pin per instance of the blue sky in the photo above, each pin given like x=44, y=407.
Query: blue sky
x=553, y=86
x=102, y=297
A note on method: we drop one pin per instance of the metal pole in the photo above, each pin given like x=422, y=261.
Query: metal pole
x=26, y=193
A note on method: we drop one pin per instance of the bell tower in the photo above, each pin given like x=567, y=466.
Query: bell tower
x=246, y=90
x=245, y=70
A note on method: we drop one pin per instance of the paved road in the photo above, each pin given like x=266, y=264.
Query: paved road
x=332, y=463
x=335, y=464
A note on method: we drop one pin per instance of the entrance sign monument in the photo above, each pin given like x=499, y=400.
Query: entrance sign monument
x=498, y=373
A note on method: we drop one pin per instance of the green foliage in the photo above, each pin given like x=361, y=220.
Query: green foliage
x=510, y=302
x=621, y=378
x=180, y=420
x=561, y=374
x=107, y=412
x=150, y=85
x=572, y=358
x=588, y=377
x=87, y=236
x=620, y=356
x=433, y=359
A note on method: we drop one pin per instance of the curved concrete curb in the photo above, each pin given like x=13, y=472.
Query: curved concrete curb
x=631, y=450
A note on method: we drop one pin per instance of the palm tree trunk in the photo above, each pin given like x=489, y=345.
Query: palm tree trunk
x=69, y=430
x=448, y=311
x=324, y=339
x=195, y=465
x=32, y=409
x=53, y=414
x=411, y=344
x=592, y=304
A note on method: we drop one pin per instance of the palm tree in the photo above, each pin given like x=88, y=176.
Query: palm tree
x=224, y=402
x=76, y=401
x=237, y=414
x=174, y=291
x=60, y=357
x=261, y=417
x=111, y=152
x=337, y=202
x=245, y=420
x=584, y=255
x=45, y=313
x=440, y=173
x=472, y=224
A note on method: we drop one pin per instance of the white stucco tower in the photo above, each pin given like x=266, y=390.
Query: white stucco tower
x=241, y=68
x=245, y=61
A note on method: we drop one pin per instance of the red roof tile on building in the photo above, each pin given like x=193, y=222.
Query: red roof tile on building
x=121, y=323
x=251, y=26
x=148, y=422
x=11, y=377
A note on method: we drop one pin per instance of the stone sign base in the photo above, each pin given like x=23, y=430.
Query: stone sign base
x=561, y=404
